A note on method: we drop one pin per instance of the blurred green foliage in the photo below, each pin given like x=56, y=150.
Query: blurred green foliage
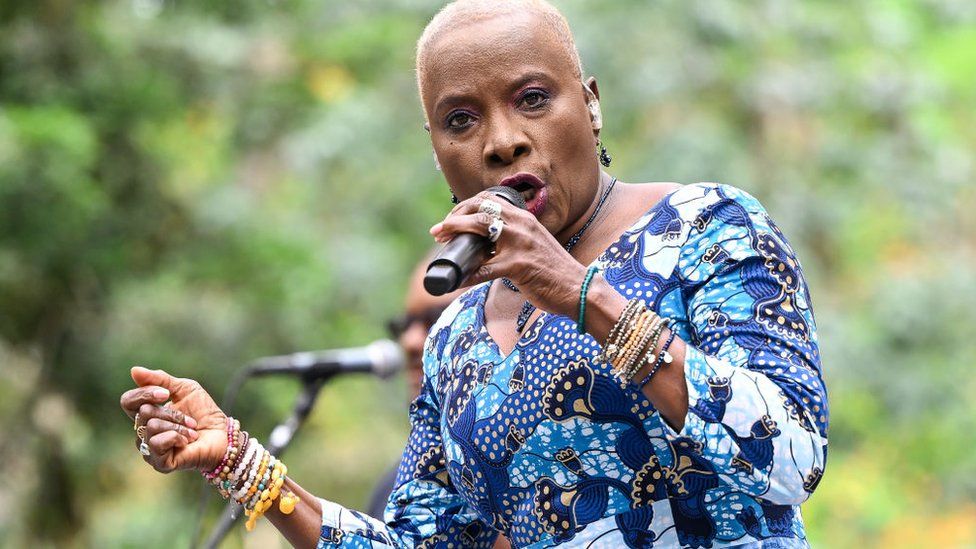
x=188, y=185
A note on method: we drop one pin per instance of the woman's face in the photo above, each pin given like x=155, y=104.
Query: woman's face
x=505, y=106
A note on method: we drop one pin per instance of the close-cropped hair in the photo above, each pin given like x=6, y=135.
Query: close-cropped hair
x=462, y=12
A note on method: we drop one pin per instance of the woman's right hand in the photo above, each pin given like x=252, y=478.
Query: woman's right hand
x=188, y=432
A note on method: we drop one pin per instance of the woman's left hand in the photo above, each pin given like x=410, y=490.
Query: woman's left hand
x=526, y=253
x=186, y=433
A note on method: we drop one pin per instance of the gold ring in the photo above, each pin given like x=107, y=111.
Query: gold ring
x=141, y=432
x=135, y=424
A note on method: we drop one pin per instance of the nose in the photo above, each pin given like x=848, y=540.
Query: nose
x=506, y=142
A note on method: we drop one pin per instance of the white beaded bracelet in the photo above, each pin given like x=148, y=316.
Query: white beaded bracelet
x=252, y=445
x=250, y=473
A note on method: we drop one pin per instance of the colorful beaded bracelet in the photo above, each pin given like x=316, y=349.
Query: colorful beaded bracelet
x=211, y=475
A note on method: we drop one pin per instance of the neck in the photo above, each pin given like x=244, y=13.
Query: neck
x=564, y=235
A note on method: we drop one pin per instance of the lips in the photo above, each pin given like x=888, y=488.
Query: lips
x=532, y=189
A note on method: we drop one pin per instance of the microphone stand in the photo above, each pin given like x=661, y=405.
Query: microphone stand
x=281, y=436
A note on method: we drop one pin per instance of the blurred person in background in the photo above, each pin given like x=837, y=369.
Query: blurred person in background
x=645, y=372
x=421, y=311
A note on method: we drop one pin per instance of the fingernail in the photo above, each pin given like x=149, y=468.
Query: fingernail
x=189, y=421
x=436, y=228
x=161, y=393
x=192, y=434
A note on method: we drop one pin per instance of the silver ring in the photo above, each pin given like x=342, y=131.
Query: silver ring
x=143, y=448
x=490, y=207
x=495, y=229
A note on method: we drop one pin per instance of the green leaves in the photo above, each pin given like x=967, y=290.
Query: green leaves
x=191, y=185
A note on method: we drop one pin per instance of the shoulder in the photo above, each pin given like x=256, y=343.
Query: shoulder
x=692, y=201
x=683, y=213
x=721, y=226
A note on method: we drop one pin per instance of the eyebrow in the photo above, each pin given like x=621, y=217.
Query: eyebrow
x=452, y=100
x=465, y=96
x=529, y=77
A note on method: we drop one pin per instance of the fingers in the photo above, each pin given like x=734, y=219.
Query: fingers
x=149, y=411
x=133, y=399
x=177, y=386
x=166, y=441
x=498, y=266
x=467, y=218
x=157, y=426
x=145, y=376
x=489, y=270
x=476, y=223
x=472, y=204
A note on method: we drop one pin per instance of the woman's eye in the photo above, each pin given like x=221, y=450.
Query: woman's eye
x=533, y=99
x=459, y=120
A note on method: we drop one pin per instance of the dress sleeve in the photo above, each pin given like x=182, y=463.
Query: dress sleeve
x=424, y=509
x=756, y=397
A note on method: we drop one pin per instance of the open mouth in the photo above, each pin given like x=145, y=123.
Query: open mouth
x=525, y=189
x=531, y=188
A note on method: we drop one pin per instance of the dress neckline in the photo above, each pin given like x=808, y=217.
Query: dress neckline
x=482, y=300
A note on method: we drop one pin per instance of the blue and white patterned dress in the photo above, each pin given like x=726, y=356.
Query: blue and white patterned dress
x=548, y=447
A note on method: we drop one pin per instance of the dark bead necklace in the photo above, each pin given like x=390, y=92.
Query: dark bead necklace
x=528, y=308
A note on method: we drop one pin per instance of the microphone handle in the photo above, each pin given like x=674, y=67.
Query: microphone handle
x=464, y=252
x=454, y=263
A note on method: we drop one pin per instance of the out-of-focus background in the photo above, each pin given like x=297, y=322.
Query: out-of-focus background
x=190, y=185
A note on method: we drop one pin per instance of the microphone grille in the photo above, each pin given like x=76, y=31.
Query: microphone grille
x=509, y=194
x=387, y=357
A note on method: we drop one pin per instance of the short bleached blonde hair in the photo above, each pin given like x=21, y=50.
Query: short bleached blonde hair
x=461, y=12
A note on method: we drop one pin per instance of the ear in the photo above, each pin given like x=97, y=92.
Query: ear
x=592, y=93
x=591, y=88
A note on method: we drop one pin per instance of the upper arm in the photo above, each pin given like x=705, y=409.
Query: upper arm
x=748, y=302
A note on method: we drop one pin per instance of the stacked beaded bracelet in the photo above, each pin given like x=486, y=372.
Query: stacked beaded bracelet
x=232, y=427
x=631, y=348
x=251, y=476
x=611, y=350
x=632, y=340
x=270, y=489
x=585, y=287
x=648, y=352
x=653, y=334
x=664, y=357
x=228, y=476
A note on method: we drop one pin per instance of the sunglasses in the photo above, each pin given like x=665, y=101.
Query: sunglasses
x=398, y=325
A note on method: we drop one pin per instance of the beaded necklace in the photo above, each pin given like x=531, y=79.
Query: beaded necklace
x=528, y=308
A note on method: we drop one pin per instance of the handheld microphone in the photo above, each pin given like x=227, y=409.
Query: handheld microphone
x=455, y=261
x=382, y=358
